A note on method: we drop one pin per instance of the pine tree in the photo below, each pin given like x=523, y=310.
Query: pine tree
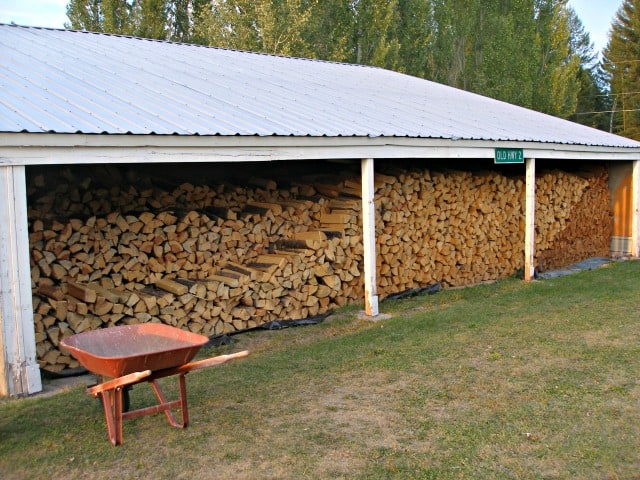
x=621, y=61
x=593, y=100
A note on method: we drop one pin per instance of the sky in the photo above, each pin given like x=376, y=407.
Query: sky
x=596, y=15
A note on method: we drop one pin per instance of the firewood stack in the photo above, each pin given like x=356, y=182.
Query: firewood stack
x=455, y=228
x=575, y=218
x=221, y=258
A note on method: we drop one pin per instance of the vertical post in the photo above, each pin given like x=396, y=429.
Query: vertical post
x=530, y=220
x=635, y=209
x=19, y=370
x=369, y=238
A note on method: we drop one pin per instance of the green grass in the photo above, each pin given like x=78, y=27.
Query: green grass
x=511, y=380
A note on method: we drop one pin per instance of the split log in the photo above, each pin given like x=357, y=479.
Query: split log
x=82, y=292
x=171, y=286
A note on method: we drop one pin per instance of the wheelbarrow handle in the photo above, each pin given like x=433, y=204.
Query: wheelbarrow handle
x=197, y=365
x=209, y=362
x=123, y=381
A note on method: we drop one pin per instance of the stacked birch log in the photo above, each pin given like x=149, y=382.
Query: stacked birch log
x=219, y=258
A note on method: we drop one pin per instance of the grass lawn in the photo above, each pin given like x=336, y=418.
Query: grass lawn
x=511, y=380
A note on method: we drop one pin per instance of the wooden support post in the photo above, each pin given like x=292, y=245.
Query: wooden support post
x=369, y=238
x=530, y=220
x=19, y=370
x=635, y=209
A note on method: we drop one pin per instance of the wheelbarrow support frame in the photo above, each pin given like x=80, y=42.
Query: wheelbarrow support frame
x=111, y=394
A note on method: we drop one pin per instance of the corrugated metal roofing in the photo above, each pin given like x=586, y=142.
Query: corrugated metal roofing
x=78, y=82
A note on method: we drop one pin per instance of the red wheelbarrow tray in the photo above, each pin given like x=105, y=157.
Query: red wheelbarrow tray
x=118, y=351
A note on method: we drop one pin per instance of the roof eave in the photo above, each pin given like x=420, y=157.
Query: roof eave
x=30, y=148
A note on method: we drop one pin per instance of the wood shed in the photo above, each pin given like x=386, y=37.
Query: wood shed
x=215, y=189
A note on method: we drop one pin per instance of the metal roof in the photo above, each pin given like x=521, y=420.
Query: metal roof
x=57, y=81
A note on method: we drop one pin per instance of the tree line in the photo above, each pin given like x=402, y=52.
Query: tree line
x=621, y=62
x=533, y=53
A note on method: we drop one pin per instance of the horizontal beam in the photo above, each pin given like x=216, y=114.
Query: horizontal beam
x=43, y=149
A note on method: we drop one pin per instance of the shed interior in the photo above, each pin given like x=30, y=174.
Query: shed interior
x=221, y=247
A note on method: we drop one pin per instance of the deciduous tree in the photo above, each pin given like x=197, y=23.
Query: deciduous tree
x=157, y=19
x=355, y=31
x=556, y=85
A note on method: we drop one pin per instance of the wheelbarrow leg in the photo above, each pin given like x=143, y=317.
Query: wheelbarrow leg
x=110, y=394
x=181, y=404
x=183, y=400
x=112, y=403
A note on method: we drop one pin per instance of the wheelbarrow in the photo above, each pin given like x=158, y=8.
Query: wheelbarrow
x=133, y=354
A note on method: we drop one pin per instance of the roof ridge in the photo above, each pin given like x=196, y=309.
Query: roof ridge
x=186, y=44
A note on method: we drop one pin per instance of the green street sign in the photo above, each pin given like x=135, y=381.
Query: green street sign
x=509, y=155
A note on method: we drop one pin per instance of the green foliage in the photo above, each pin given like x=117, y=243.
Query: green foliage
x=151, y=18
x=519, y=51
x=272, y=27
x=84, y=15
x=328, y=36
x=622, y=62
x=556, y=88
x=415, y=34
x=489, y=50
x=157, y=19
x=374, y=42
x=593, y=99
x=338, y=30
x=113, y=16
x=594, y=102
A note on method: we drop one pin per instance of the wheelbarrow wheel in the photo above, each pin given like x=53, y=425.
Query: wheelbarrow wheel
x=126, y=399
